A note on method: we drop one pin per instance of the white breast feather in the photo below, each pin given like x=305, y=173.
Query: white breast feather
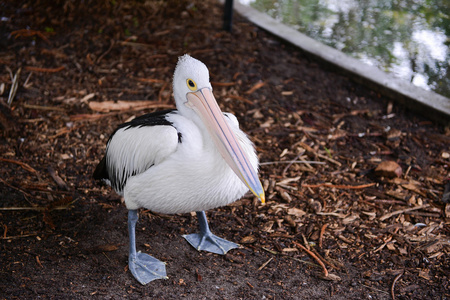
x=194, y=177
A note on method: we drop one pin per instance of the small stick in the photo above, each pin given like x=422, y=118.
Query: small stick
x=17, y=236
x=14, y=86
x=393, y=284
x=59, y=181
x=322, y=232
x=105, y=53
x=397, y=212
x=22, y=164
x=290, y=164
x=256, y=87
x=293, y=162
x=352, y=187
x=313, y=256
x=265, y=264
x=44, y=70
x=240, y=99
x=39, y=261
x=329, y=159
x=324, y=260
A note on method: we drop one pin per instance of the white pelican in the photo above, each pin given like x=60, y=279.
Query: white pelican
x=177, y=161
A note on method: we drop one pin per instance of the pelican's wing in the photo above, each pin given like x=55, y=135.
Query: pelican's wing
x=135, y=146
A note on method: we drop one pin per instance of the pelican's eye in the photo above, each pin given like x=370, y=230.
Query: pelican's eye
x=191, y=84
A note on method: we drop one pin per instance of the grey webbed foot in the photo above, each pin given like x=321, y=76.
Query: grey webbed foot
x=206, y=240
x=144, y=267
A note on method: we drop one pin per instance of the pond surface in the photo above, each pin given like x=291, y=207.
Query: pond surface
x=408, y=38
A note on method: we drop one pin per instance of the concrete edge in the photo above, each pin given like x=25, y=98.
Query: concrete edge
x=427, y=103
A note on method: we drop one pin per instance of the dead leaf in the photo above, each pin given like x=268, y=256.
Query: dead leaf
x=248, y=239
x=267, y=227
x=330, y=277
x=290, y=221
x=350, y=219
x=414, y=188
x=285, y=196
x=424, y=274
x=388, y=168
x=296, y=212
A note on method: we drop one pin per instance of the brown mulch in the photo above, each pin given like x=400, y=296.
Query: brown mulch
x=354, y=182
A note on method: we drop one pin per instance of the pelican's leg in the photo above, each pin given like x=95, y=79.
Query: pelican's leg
x=206, y=240
x=144, y=267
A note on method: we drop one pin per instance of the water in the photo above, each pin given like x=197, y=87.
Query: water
x=408, y=38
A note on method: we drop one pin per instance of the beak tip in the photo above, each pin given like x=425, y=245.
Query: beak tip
x=262, y=197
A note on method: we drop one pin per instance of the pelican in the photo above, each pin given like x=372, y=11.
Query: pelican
x=190, y=159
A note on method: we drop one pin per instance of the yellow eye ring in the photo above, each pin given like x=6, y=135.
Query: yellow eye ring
x=191, y=84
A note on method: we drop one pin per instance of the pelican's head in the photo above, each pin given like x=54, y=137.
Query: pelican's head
x=195, y=100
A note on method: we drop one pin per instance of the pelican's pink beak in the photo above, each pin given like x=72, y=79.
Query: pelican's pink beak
x=205, y=105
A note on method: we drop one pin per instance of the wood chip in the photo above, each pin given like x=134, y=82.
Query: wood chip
x=397, y=212
x=120, y=105
x=389, y=169
x=296, y=212
x=248, y=239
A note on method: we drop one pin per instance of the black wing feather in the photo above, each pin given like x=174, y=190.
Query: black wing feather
x=151, y=119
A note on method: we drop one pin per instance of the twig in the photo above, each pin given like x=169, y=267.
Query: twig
x=313, y=256
x=293, y=162
x=255, y=87
x=323, y=259
x=393, y=284
x=265, y=264
x=39, y=261
x=22, y=164
x=270, y=251
x=338, y=186
x=322, y=232
x=14, y=86
x=290, y=164
x=15, y=188
x=397, y=212
x=28, y=33
x=240, y=99
x=17, y=236
x=329, y=159
x=59, y=181
x=23, y=208
x=107, y=257
x=44, y=70
x=106, y=52
x=26, y=84
x=290, y=257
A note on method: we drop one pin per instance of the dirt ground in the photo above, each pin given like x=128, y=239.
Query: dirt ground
x=349, y=174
